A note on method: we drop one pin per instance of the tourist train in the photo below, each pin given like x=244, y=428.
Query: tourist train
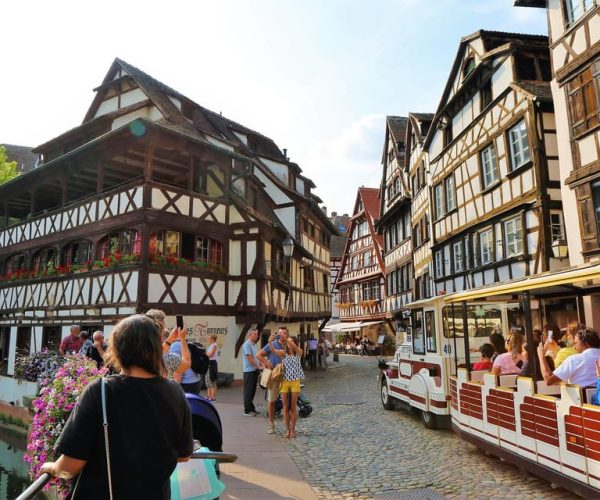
x=551, y=431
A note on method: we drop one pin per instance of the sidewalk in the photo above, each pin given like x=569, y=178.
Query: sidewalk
x=264, y=469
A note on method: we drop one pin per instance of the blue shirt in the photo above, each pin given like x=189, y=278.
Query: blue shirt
x=189, y=376
x=249, y=349
x=273, y=358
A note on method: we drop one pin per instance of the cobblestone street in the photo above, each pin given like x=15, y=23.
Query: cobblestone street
x=351, y=447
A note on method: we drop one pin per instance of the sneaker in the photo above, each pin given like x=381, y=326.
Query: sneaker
x=254, y=413
x=271, y=430
x=249, y=414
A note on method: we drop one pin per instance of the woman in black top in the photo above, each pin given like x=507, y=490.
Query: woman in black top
x=149, y=423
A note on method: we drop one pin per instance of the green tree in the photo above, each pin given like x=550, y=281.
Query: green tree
x=8, y=169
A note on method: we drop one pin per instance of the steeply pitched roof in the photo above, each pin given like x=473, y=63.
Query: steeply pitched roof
x=26, y=160
x=370, y=199
x=491, y=40
x=338, y=243
x=397, y=126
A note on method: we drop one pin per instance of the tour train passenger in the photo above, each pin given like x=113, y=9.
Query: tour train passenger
x=568, y=340
x=510, y=362
x=149, y=423
x=578, y=369
x=497, y=340
x=176, y=363
x=487, y=351
x=552, y=335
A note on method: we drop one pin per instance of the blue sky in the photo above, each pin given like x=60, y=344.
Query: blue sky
x=317, y=76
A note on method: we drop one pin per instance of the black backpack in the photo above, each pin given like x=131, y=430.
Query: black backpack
x=200, y=360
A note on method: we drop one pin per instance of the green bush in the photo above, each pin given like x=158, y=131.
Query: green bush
x=10, y=420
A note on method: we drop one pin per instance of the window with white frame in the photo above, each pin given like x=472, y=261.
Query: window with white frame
x=486, y=246
x=450, y=193
x=439, y=264
x=489, y=166
x=367, y=259
x=459, y=257
x=439, y=201
x=518, y=145
x=574, y=9
x=513, y=233
x=557, y=228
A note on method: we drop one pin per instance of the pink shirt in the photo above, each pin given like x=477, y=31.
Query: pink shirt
x=506, y=364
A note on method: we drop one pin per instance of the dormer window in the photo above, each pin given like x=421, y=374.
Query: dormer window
x=468, y=67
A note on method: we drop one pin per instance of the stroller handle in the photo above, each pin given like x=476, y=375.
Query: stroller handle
x=219, y=456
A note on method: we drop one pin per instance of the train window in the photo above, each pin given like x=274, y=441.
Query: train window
x=418, y=334
x=482, y=320
x=430, y=331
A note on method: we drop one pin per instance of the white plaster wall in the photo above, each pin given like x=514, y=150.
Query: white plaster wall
x=502, y=77
x=133, y=96
x=569, y=200
x=107, y=106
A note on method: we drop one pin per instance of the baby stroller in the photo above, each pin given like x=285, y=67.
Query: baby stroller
x=206, y=423
x=304, y=408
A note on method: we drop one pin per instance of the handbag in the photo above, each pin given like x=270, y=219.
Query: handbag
x=196, y=479
x=276, y=375
x=265, y=378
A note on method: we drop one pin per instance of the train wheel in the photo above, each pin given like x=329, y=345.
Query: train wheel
x=386, y=399
x=428, y=419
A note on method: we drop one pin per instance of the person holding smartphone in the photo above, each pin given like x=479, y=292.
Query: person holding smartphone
x=268, y=358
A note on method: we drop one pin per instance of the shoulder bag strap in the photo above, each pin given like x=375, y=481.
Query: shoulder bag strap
x=105, y=425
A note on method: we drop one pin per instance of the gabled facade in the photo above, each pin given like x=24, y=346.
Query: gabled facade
x=155, y=201
x=394, y=222
x=417, y=166
x=338, y=244
x=495, y=196
x=574, y=33
x=360, y=282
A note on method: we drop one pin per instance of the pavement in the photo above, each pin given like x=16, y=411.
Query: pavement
x=264, y=468
x=350, y=447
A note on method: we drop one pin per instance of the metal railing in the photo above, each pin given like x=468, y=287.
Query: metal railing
x=35, y=487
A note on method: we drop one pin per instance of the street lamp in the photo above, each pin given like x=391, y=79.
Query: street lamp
x=288, y=250
x=288, y=246
x=560, y=249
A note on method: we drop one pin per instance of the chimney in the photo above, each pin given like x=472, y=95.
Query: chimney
x=285, y=153
x=333, y=214
x=324, y=210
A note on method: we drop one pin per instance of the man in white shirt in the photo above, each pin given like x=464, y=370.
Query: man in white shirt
x=579, y=368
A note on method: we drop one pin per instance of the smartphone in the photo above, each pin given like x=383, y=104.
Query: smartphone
x=277, y=337
x=179, y=321
x=550, y=334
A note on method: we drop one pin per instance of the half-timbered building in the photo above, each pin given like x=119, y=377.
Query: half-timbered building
x=417, y=166
x=574, y=31
x=360, y=282
x=394, y=222
x=155, y=201
x=493, y=160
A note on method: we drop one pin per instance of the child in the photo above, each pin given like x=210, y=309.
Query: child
x=487, y=351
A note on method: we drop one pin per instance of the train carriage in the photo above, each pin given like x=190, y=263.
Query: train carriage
x=551, y=431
